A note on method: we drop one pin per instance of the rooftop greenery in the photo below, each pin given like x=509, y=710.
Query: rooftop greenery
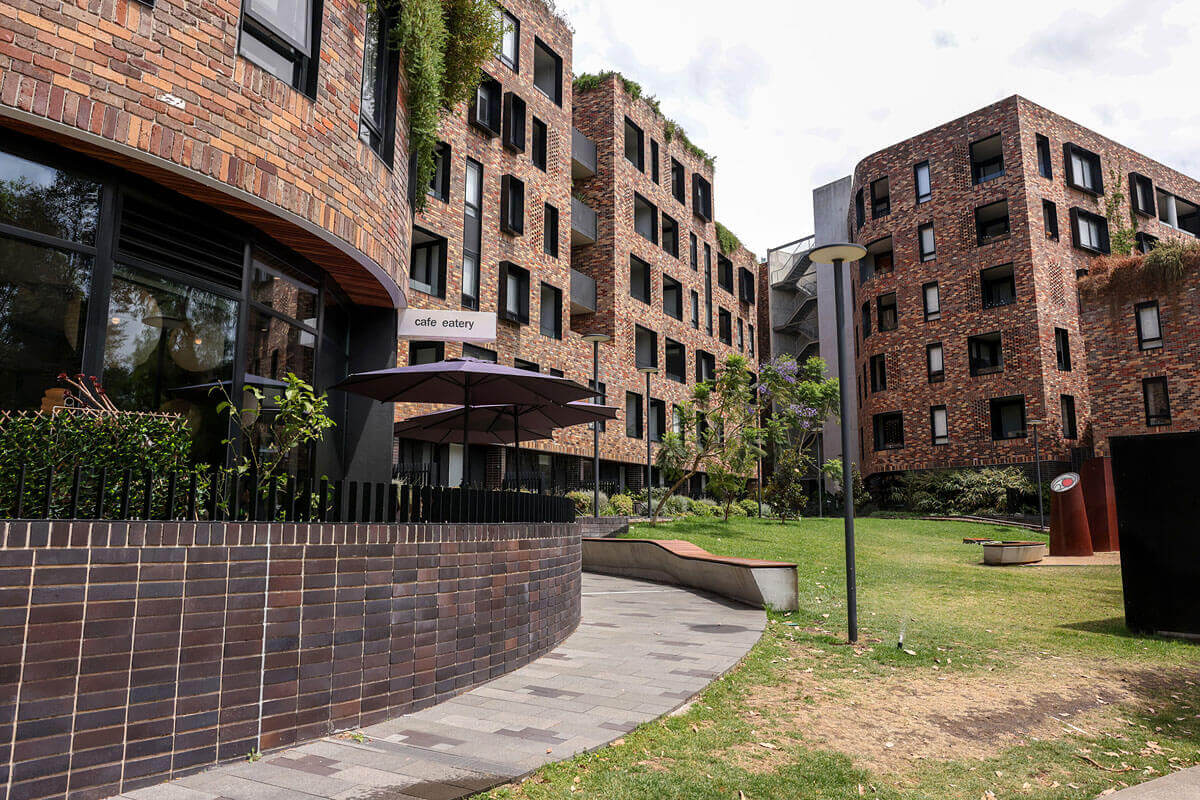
x=727, y=240
x=1122, y=278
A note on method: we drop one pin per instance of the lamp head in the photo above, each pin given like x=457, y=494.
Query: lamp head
x=597, y=337
x=837, y=251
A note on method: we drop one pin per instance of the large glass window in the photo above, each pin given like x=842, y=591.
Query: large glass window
x=42, y=199
x=377, y=110
x=472, y=234
x=280, y=36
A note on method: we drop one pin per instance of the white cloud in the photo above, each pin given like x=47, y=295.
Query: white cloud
x=789, y=95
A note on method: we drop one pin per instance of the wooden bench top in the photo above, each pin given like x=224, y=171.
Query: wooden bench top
x=685, y=549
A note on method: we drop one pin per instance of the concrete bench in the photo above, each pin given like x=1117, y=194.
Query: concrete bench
x=747, y=580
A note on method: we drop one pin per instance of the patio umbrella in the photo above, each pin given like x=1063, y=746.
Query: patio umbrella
x=467, y=382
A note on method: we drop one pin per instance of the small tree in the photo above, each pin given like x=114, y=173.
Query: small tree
x=785, y=489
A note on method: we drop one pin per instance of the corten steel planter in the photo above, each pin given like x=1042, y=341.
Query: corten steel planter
x=1069, y=532
x=1001, y=553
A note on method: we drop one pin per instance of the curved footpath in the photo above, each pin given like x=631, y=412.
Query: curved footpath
x=642, y=649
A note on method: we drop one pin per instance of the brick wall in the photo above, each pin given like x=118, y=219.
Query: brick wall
x=134, y=652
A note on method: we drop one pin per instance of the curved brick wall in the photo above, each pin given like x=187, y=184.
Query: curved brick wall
x=132, y=652
x=108, y=78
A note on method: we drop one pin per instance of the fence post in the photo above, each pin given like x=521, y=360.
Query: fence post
x=100, y=487
x=126, y=486
x=20, y=510
x=191, y=503
x=49, y=493
x=73, y=507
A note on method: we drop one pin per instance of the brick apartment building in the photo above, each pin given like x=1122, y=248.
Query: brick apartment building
x=966, y=307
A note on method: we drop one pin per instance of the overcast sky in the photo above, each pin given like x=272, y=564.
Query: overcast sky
x=790, y=94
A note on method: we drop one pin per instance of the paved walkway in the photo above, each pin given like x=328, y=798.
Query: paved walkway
x=642, y=650
x=1182, y=785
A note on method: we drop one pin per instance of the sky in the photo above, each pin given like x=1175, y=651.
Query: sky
x=791, y=95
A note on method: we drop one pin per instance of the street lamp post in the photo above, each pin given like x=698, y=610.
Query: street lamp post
x=596, y=339
x=837, y=255
x=1037, y=463
x=648, y=371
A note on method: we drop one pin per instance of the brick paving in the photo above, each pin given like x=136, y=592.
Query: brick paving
x=641, y=651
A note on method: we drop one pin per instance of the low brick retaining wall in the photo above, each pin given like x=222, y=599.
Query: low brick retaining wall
x=133, y=652
x=603, y=527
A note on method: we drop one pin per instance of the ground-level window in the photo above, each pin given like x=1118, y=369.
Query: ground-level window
x=889, y=431
x=1157, y=401
x=1008, y=417
x=426, y=352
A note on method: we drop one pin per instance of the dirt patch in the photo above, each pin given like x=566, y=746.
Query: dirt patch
x=893, y=722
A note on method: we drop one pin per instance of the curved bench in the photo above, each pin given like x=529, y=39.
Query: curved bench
x=747, y=580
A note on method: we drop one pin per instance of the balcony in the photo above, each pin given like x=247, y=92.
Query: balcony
x=583, y=293
x=583, y=155
x=583, y=223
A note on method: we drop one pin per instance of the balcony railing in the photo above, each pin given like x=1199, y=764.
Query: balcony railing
x=583, y=223
x=583, y=293
x=583, y=155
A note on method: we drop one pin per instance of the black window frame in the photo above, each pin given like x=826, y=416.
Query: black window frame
x=550, y=230
x=990, y=278
x=515, y=117
x=675, y=354
x=934, y=375
x=881, y=307
x=515, y=62
x=647, y=283
x=1070, y=423
x=881, y=206
x=378, y=131
x=653, y=237
x=695, y=301
x=701, y=197
x=1144, y=342
x=933, y=434
x=521, y=315
x=927, y=196
x=438, y=287
x=1062, y=349
x=1157, y=420
x=1045, y=167
x=1136, y=180
x=634, y=422
x=1144, y=241
x=860, y=210
x=879, y=423
x=746, y=286
x=996, y=407
x=439, y=182
x=678, y=182
x=545, y=49
x=982, y=238
x=491, y=124
x=1079, y=216
x=922, y=254
x=438, y=351
x=472, y=234
x=978, y=174
x=670, y=233
x=669, y=283
x=1095, y=170
x=706, y=362
x=512, y=205
x=866, y=320
x=725, y=272
x=539, y=143
x=934, y=313
x=556, y=297
x=654, y=175
x=640, y=331
x=877, y=369
x=639, y=144
x=724, y=326
x=976, y=363
x=305, y=57
x=1050, y=219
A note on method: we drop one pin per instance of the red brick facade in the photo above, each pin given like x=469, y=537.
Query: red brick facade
x=1044, y=273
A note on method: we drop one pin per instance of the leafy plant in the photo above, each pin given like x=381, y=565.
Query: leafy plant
x=962, y=491
x=726, y=240
x=750, y=506
x=621, y=505
x=583, y=501
x=1121, y=237
x=1128, y=278
x=785, y=489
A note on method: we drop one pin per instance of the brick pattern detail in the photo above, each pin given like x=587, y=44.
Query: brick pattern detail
x=135, y=652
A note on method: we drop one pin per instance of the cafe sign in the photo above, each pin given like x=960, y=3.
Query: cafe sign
x=447, y=326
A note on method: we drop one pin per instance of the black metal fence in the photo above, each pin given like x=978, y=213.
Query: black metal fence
x=443, y=504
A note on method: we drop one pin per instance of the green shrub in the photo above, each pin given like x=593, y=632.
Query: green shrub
x=750, y=506
x=785, y=488
x=706, y=508
x=677, y=504
x=738, y=510
x=962, y=491
x=621, y=505
x=583, y=502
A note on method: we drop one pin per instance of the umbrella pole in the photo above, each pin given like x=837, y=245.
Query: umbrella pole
x=517, y=447
x=466, y=441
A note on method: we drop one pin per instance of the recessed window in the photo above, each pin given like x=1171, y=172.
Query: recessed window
x=1045, y=169
x=672, y=297
x=479, y=353
x=701, y=197
x=485, y=107
x=639, y=279
x=645, y=347
x=741, y=338
x=537, y=143
x=547, y=71
x=645, y=218
x=1062, y=349
x=510, y=40
x=1141, y=194
x=878, y=373
x=670, y=235
x=472, y=233
x=514, y=123
x=513, y=299
x=725, y=326
x=921, y=182
x=635, y=148
x=985, y=354
x=1082, y=169
x=551, y=311
x=925, y=240
x=724, y=273
x=1070, y=429
x=991, y=222
x=550, y=231
x=512, y=205
x=692, y=247
x=1050, y=219
x=998, y=285
x=746, y=285
x=1157, y=401
x=987, y=159
x=528, y=366
x=878, y=260
x=1008, y=417
x=377, y=106
x=427, y=264
x=938, y=429
x=1178, y=213
x=654, y=161
x=1149, y=331
x=935, y=363
x=695, y=296
x=706, y=366
x=750, y=340
x=633, y=415
x=439, y=183
x=676, y=358
x=881, y=200
x=932, y=298
x=658, y=419
x=426, y=352
x=860, y=211
x=866, y=320
x=1144, y=242
x=708, y=296
x=1089, y=231
x=889, y=431
x=602, y=388
x=283, y=39
x=888, y=317
x=678, y=182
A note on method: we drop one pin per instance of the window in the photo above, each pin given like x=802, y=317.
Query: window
x=921, y=182
x=547, y=71
x=670, y=236
x=1141, y=194
x=645, y=218
x=479, y=353
x=550, y=231
x=1008, y=417
x=639, y=279
x=878, y=366
x=987, y=159
x=1157, y=401
x=889, y=431
x=938, y=431
x=932, y=299
x=866, y=320
x=706, y=366
x=1067, y=404
x=999, y=286
x=676, y=359
x=672, y=297
x=654, y=161
x=513, y=136
x=658, y=419
x=693, y=254
x=635, y=149
x=426, y=352
x=750, y=340
x=528, y=366
x=928, y=248
x=985, y=354
x=439, y=183
x=513, y=300
x=537, y=143
x=741, y=339
x=512, y=205
x=860, y=213
x=645, y=343
x=380, y=82
x=557, y=373
x=1178, y=213
x=485, y=107
x=935, y=363
x=427, y=264
x=881, y=203
x=725, y=326
x=633, y=415
x=1149, y=331
x=1089, y=231
x=1062, y=349
x=1082, y=169
x=1050, y=219
x=551, y=311
x=746, y=285
x=1043, y=154
x=472, y=233
x=708, y=299
x=1144, y=242
x=991, y=222
x=677, y=421
x=701, y=197
x=724, y=273
x=283, y=39
x=878, y=261
x=886, y=305
x=695, y=309
x=510, y=40
x=678, y=182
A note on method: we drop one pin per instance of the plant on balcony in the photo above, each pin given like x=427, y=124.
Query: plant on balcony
x=1124, y=279
x=726, y=240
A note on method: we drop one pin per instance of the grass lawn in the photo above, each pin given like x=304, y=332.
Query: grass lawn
x=1016, y=682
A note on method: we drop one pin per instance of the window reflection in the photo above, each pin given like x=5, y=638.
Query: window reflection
x=47, y=200
x=282, y=289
